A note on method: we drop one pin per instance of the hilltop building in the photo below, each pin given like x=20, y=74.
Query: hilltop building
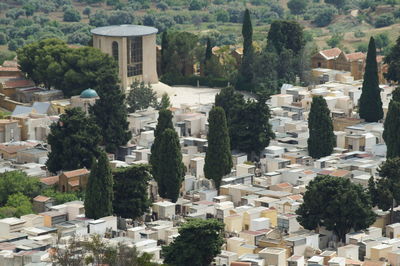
x=133, y=47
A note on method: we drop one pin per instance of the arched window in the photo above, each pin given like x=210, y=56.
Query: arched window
x=115, y=50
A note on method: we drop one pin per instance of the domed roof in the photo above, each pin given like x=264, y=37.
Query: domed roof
x=89, y=93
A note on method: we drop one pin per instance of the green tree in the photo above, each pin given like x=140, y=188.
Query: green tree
x=297, y=7
x=170, y=170
x=60, y=197
x=165, y=102
x=74, y=141
x=164, y=122
x=71, y=15
x=51, y=63
x=251, y=126
x=393, y=61
x=141, y=96
x=285, y=34
x=337, y=204
x=232, y=103
x=370, y=104
x=382, y=41
x=218, y=161
x=385, y=191
x=17, y=181
x=335, y=40
x=86, y=11
x=392, y=126
x=99, y=192
x=246, y=75
x=21, y=203
x=201, y=240
x=321, y=140
x=339, y=4
x=110, y=114
x=130, y=190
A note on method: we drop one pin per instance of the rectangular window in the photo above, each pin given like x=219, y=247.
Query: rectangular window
x=135, y=56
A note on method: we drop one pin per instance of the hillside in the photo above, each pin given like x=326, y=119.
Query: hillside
x=344, y=23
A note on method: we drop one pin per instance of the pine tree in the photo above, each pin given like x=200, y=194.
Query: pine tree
x=170, y=168
x=99, y=192
x=246, y=75
x=218, y=160
x=321, y=139
x=165, y=102
x=370, y=104
x=164, y=122
x=164, y=48
x=392, y=126
x=110, y=114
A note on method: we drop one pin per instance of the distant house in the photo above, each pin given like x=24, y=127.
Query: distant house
x=354, y=62
x=73, y=180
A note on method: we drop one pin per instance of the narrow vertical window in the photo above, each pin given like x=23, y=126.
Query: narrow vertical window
x=115, y=51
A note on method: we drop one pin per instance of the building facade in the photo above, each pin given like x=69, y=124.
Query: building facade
x=133, y=47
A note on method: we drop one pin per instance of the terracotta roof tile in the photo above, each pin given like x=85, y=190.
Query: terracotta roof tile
x=41, y=198
x=77, y=172
x=355, y=56
x=331, y=53
x=9, y=69
x=284, y=185
x=13, y=148
x=339, y=173
x=74, y=183
x=296, y=197
x=52, y=180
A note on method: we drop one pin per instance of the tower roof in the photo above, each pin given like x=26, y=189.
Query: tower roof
x=124, y=31
x=89, y=93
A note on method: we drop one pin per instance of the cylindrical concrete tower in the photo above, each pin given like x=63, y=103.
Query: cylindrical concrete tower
x=134, y=47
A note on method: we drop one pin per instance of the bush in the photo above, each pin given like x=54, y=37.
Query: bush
x=362, y=47
x=384, y=20
x=324, y=16
x=359, y=34
x=71, y=15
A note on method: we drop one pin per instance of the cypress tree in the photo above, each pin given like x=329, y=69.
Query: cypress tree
x=208, y=50
x=170, y=168
x=99, y=192
x=165, y=102
x=164, y=122
x=392, y=126
x=321, y=139
x=245, y=77
x=370, y=104
x=110, y=114
x=218, y=160
x=164, y=48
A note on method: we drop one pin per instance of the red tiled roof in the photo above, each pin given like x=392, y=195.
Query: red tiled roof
x=296, y=197
x=74, y=183
x=324, y=172
x=355, y=56
x=52, y=180
x=331, y=53
x=9, y=69
x=77, y=172
x=237, y=263
x=10, y=63
x=41, y=198
x=339, y=173
x=13, y=148
x=284, y=185
x=18, y=83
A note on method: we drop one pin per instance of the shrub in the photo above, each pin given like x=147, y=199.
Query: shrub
x=384, y=20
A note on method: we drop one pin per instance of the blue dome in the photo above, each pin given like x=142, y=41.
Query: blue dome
x=89, y=93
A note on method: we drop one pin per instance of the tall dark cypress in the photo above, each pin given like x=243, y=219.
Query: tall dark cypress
x=164, y=50
x=218, y=161
x=164, y=122
x=246, y=75
x=99, y=192
x=392, y=126
x=170, y=168
x=208, y=50
x=370, y=104
x=321, y=139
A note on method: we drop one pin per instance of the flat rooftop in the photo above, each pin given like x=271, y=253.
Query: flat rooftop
x=124, y=31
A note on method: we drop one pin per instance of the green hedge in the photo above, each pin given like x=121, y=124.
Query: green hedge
x=192, y=81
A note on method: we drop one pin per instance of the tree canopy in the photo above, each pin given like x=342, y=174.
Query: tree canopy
x=321, y=139
x=201, y=240
x=110, y=114
x=218, y=161
x=99, y=192
x=337, y=204
x=130, y=190
x=74, y=141
x=141, y=96
x=393, y=61
x=170, y=169
x=52, y=63
x=370, y=104
x=392, y=126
